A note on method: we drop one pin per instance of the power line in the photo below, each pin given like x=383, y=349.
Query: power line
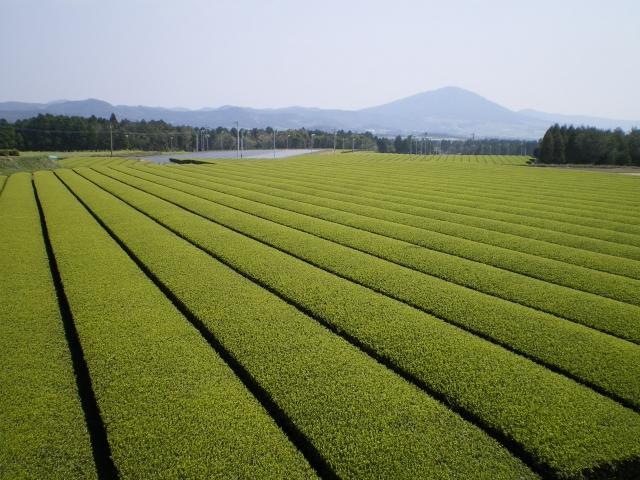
x=79, y=132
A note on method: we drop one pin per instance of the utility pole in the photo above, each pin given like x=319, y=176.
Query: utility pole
x=410, y=147
x=274, y=144
x=353, y=144
x=288, y=141
x=111, y=133
x=424, y=141
x=171, y=144
x=238, y=136
x=334, y=141
x=312, y=135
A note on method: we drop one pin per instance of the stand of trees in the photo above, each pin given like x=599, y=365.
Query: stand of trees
x=62, y=133
x=486, y=146
x=588, y=145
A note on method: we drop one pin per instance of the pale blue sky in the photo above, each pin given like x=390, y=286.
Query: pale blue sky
x=571, y=57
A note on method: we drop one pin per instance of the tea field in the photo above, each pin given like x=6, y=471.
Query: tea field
x=352, y=316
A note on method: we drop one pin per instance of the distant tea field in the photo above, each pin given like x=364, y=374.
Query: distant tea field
x=351, y=316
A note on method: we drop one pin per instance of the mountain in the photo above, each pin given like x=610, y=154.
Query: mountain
x=576, y=120
x=448, y=111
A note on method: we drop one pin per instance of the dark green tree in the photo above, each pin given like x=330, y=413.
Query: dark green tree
x=547, y=147
x=7, y=135
x=398, y=144
x=633, y=145
x=558, y=147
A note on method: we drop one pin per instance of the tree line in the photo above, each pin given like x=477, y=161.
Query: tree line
x=589, y=145
x=423, y=145
x=61, y=133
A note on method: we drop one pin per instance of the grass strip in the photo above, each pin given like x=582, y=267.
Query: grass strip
x=42, y=425
x=575, y=256
x=365, y=420
x=606, y=363
x=169, y=402
x=571, y=304
x=562, y=427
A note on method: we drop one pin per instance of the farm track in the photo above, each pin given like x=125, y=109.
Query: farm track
x=348, y=316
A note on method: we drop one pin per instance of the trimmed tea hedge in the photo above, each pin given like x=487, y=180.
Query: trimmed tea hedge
x=168, y=401
x=556, y=422
x=606, y=362
x=364, y=420
x=42, y=425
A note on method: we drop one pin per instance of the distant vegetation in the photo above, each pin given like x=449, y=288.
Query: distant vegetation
x=78, y=134
x=588, y=145
x=71, y=134
x=487, y=146
x=32, y=163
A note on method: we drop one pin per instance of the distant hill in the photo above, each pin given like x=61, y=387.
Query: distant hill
x=447, y=111
x=577, y=120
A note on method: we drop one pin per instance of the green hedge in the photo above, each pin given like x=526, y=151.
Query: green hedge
x=610, y=316
x=557, y=422
x=445, y=189
x=606, y=362
x=593, y=239
x=42, y=425
x=470, y=242
x=9, y=153
x=168, y=401
x=363, y=419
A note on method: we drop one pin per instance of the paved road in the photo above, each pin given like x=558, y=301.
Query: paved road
x=229, y=154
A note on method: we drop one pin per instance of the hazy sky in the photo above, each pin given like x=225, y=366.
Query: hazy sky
x=572, y=57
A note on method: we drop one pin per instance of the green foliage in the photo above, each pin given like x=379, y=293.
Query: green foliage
x=7, y=136
x=588, y=145
x=437, y=234
x=42, y=425
x=9, y=153
x=486, y=289
x=547, y=148
x=9, y=165
x=556, y=421
x=558, y=146
x=169, y=402
x=611, y=364
x=362, y=418
x=613, y=317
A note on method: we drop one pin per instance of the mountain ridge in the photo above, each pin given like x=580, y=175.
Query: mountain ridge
x=449, y=111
